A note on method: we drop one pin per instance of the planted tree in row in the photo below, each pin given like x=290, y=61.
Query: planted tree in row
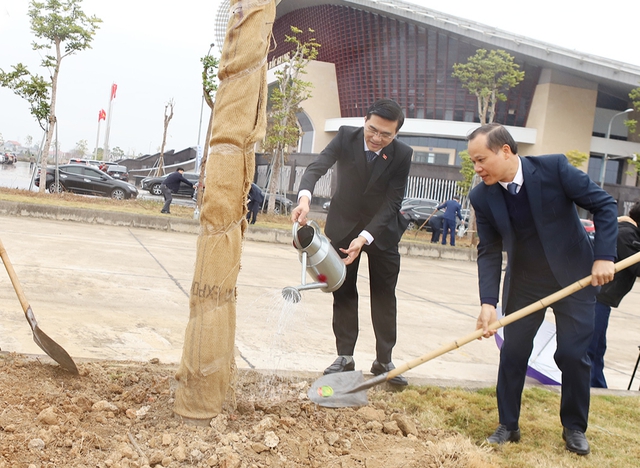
x=210, y=66
x=283, y=130
x=61, y=29
x=487, y=75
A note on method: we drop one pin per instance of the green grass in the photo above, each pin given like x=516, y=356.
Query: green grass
x=152, y=207
x=137, y=206
x=613, y=427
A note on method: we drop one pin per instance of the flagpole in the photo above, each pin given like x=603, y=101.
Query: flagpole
x=95, y=151
x=100, y=117
x=105, y=156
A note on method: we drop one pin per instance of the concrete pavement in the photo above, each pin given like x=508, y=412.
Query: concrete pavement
x=117, y=292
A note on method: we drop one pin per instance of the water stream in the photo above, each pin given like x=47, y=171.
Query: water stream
x=280, y=316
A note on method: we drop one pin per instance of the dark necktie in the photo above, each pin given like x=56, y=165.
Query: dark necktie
x=512, y=188
x=371, y=155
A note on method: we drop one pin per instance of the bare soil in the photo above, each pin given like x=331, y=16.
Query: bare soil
x=120, y=414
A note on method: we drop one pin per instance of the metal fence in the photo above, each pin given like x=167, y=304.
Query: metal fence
x=434, y=189
x=417, y=187
x=322, y=189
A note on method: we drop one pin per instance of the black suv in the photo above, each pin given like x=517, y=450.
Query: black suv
x=87, y=180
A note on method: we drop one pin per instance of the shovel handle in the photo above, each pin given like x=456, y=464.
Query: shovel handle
x=14, y=278
x=512, y=317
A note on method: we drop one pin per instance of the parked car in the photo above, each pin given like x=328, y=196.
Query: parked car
x=8, y=158
x=117, y=172
x=418, y=210
x=86, y=162
x=590, y=227
x=283, y=204
x=87, y=180
x=152, y=184
x=92, y=162
x=326, y=205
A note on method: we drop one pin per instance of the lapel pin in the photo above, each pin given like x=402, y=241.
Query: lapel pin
x=384, y=156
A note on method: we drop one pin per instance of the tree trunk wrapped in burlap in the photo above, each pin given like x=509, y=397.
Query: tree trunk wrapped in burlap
x=208, y=366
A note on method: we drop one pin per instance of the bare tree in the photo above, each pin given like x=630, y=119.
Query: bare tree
x=168, y=115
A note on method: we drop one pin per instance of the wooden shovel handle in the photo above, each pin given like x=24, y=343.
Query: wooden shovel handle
x=512, y=317
x=425, y=222
x=14, y=278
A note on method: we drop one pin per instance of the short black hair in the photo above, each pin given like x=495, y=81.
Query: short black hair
x=497, y=137
x=387, y=109
x=634, y=212
x=180, y=169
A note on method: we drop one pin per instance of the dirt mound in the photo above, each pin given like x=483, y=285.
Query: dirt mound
x=119, y=415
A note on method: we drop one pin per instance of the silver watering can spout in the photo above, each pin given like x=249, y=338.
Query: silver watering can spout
x=318, y=258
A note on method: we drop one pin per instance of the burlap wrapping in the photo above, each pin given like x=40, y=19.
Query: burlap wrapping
x=207, y=364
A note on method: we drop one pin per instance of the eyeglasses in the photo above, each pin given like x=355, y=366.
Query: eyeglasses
x=382, y=135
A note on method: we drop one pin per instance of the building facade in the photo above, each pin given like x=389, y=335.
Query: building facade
x=372, y=49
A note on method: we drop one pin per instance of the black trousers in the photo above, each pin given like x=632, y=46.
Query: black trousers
x=384, y=267
x=574, y=323
x=168, y=197
x=252, y=212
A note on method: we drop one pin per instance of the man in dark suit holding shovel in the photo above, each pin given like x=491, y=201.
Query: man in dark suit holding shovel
x=526, y=206
x=372, y=171
x=452, y=209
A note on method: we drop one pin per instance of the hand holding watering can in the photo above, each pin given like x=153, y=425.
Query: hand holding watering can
x=299, y=215
x=317, y=255
x=300, y=212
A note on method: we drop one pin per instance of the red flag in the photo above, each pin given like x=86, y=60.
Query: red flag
x=102, y=115
x=114, y=87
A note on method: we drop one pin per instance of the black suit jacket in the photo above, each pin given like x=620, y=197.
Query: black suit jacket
x=363, y=201
x=554, y=187
x=628, y=244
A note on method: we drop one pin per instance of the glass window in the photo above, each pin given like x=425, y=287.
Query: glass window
x=73, y=169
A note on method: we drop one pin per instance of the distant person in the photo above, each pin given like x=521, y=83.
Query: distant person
x=527, y=207
x=255, y=203
x=32, y=162
x=435, y=223
x=171, y=185
x=452, y=209
x=612, y=293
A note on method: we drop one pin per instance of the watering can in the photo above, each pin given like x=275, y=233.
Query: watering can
x=318, y=258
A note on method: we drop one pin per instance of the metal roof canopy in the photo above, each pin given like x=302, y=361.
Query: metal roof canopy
x=618, y=76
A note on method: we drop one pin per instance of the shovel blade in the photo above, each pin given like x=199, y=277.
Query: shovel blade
x=339, y=390
x=54, y=350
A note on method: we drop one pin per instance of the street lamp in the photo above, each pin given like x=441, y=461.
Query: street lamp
x=606, y=156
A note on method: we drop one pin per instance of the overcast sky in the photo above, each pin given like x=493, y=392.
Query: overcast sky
x=152, y=52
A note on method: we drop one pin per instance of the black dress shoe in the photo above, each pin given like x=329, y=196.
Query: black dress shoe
x=341, y=364
x=502, y=435
x=378, y=368
x=576, y=441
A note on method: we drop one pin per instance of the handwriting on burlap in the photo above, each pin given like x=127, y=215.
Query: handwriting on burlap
x=206, y=291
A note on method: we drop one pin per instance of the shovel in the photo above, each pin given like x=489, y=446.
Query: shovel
x=350, y=389
x=53, y=349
